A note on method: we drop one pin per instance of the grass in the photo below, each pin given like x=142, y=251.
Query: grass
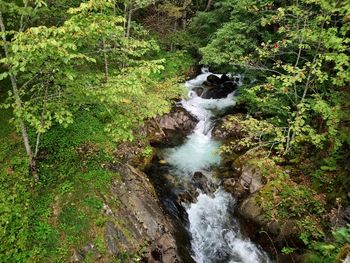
x=64, y=210
x=73, y=180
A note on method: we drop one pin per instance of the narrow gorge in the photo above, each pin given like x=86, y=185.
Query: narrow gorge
x=188, y=189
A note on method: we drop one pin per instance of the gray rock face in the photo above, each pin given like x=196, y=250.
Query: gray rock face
x=79, y=255
x=145, y=220
x=136, y=222
x=113, y=238
x=200, y=181
x=251, y=179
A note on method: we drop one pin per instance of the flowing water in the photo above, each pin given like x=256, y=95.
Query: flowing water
x=214, y=231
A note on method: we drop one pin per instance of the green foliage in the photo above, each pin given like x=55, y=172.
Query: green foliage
x=334, y=251
x=287, y=250
x=14, y=196
x=118, y=72
x=298, y=93
x=296, y=53
x=83, y=85
x=205, y=24
x=282, y=200
x=14, y=206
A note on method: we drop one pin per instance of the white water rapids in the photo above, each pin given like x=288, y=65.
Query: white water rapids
x=215, y=233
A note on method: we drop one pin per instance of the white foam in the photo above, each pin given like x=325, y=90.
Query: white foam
x=215, y=234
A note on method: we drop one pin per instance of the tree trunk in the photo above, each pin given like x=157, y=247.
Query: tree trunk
x=129, y=23
x=125, y=19
x=172, y=44
x=209, y=4
x=184, y=13
x=18, y=100
x=106, y=59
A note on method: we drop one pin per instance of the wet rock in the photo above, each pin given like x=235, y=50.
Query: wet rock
x=198, y=90
x=208, y=85
x=224, y=78
x=187, y=197
x=216, y=93
x=213, y=79
x=229, y=185
x=230, y=85
x=200, y=181
x=233, y=187
x=171, y=128
x=217, y=88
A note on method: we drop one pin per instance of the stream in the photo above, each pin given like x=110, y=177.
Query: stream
x=207, y=225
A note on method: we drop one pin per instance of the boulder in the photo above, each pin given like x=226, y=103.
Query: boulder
x=233, y=187
x=229, y=185
x=198, y=91
x=249, y=209
x=230, y=85
x=200, y=181
x=251, y=179
x=216, y=93
x=229, y=128
x=213, y=79
x=224, y=78
x=187, y=197
x=170, y=128
x=218, y=88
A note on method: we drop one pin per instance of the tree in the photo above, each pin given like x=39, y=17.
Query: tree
x=18, y=101
x=299, y=48
x=48, y=64
x=130, y=6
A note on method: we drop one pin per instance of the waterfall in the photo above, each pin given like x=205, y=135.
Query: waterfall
x=215, y=233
